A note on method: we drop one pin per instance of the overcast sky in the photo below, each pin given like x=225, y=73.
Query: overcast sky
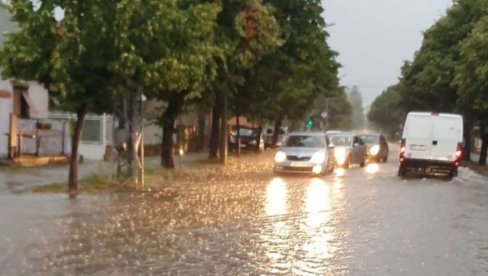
x=374, y=37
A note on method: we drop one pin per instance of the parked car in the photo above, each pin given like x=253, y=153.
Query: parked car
x=304, y=152
x=378, y=149
x=269, y=133
x=247, y=136
x=348, y=149
x=431, y=143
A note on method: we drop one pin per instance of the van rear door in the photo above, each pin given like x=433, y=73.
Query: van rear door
x=447, y=133
x=418, y=135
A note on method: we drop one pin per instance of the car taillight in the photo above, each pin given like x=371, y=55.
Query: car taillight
x=459, y=154
x=402, y=150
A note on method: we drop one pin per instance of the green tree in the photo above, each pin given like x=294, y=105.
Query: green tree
x=427, y=83
x=167, y=47
x=472, y=79
x=247, y=30
x=356, y=100
x=69, y=57
x=287, y=83
x=386, y=112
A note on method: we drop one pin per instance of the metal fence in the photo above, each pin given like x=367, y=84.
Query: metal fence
x=42, y=137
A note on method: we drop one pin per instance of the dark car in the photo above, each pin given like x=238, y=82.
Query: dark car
x=377, y=147
x=348, y=149
x=247, y=137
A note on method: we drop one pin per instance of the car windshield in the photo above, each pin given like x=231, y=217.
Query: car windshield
x=244, y=132
x=306, y=141
x=340, y=140
x=370, y=139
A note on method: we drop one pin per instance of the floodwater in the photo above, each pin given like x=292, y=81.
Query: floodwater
x=360, y=221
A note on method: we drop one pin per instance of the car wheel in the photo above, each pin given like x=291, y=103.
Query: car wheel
x=401, y=172
x=385, y=159
x=363, y=163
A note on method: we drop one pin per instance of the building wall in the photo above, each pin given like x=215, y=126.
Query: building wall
x=5, y=111
x=40, y=99
x=93, y=142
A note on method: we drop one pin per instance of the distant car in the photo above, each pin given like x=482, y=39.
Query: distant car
x=247, y=137
x=269, y=133
x=333, y=131
x=348, y=149
x=304, y=152
x=377, y=147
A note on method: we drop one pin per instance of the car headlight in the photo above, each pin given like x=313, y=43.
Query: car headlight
x=280, y=157
x=318, y=158
x=374, y=150
x=340, y=155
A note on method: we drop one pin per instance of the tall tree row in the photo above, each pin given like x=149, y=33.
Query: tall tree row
x=265, y=59
x=446, y=73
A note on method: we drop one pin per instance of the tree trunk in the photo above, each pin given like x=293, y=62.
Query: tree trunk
x=175, y=105
x=75, y=142
x=258, y=138
x=201, y=130
x=167, y=145
x=484, y=143
x=215, y=133
x=276, y=132
x=467, y=140
x=238, y=136
x=224, y=138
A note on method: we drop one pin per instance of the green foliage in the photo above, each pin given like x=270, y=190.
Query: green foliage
x=427, y=82
x=472, y=73
x=166, y=46
x=356, y=100
x=288, y=81
x=69, y=57
x=386, y=112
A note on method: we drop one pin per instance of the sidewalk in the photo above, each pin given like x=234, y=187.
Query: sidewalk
x=16, y=179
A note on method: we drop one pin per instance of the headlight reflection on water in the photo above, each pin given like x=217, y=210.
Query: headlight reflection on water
x=317, y=203
x=302, y=225
x=372, y=168
x=276, y=197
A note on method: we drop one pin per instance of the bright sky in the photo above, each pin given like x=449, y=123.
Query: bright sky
x=374, y=37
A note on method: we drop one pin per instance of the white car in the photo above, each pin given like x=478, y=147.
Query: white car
x=304, y=152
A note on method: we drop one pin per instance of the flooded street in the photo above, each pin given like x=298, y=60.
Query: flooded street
x=362, y=221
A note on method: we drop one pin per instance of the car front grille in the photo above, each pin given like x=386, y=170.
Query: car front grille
x=297, y=169
x=297, y=158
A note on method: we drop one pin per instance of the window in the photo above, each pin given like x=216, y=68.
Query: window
x=92, y=131
x=312, y=141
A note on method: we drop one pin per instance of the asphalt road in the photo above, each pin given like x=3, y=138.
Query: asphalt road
x=361, y=221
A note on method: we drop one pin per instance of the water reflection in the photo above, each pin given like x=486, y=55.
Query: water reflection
x=301, y=233
x=372, y=168
x=317, y=203
x=339, y=172
x=319, y=231
x=276, y=197
x=276, y=233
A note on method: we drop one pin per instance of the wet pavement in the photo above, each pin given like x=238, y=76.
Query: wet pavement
x=361, y=221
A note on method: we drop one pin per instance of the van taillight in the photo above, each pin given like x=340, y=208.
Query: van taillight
x=459, y=151
x=459, y=154
x=403, y=144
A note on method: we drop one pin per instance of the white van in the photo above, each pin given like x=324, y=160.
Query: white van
x=431, y=143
